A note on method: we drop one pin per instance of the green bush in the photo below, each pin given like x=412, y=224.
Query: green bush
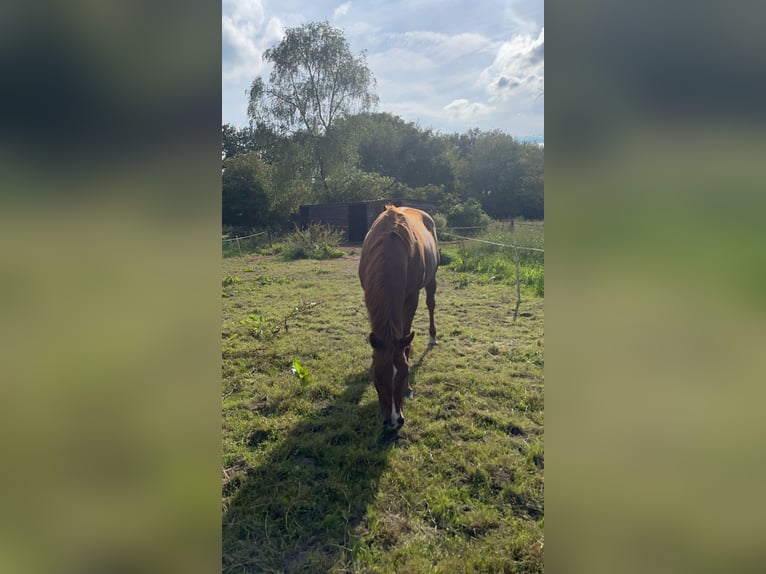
x=468, y=214
x=314, y=242
x=440, y=220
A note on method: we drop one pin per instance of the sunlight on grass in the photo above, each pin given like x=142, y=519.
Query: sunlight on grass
x=310, y=481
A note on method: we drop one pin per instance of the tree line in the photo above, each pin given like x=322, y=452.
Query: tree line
x=314, y=137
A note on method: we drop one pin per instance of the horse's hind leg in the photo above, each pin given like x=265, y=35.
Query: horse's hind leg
x=410, y=306
x=431, y=304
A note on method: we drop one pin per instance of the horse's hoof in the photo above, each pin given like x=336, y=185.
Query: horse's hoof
x=432, y=342
x=409, y=395
x=391, y=429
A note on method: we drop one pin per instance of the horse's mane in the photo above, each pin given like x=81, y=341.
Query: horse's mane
x=385, y=267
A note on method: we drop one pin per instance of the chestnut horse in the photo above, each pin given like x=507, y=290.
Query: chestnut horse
x=400, y=256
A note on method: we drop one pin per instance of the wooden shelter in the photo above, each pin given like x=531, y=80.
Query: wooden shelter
x=355, y=218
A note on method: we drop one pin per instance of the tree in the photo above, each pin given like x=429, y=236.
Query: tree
x=292, y=181
x=244, y=198
x=234, y=141
x=315, y=80
x=505, y=176
x=388, y=145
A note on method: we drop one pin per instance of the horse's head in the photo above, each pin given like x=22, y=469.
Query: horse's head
x=391, y=370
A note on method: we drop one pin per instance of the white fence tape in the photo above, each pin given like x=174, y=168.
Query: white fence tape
x=491, y=242
x=244, y=236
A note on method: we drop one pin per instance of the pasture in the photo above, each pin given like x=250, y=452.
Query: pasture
x=311, y=483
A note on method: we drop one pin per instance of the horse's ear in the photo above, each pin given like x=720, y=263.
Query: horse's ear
x=376, y=343
x=405, y=341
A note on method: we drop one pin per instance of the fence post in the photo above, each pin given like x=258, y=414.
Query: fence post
x=238, y=245
x=518, y=279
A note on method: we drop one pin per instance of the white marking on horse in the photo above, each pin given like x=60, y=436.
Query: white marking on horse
x=394, y=414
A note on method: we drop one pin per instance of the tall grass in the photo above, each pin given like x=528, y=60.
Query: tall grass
x=313, y=242
x=256, y=244
x=495, y=260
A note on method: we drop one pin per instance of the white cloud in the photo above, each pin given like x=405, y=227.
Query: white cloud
x=429, y=64
x=412, y=53
x=244, y=9
x=462, y=110
x=450, y=70
x=519, y=68
x=444, y=47
x=341, y=10
x=246, y=33
x=398, y=62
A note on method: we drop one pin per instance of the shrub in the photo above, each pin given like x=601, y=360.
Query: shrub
x=468, y=214
x=440, y=220
x=314, y=242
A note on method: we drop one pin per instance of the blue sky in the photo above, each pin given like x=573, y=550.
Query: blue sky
x=447, y=65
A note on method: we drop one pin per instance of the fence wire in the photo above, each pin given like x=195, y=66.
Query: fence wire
x=243, y=237
x=490, y=242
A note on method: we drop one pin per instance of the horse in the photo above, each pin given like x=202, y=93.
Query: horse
x=400, y=255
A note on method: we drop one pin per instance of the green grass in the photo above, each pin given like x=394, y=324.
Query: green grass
x=310, y=481
x=257, y=244
x=494, y=262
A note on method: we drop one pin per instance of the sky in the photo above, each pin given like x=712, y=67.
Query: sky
x=445, y=65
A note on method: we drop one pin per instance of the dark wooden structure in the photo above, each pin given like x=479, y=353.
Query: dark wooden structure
x=355, y=217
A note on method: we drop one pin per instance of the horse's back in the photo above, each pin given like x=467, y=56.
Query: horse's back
x=416, y=230
x=424, y=228
x=373, y=243
x=426, y=220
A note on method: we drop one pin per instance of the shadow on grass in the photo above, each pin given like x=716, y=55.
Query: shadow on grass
x=298, y=512
x=415, y=366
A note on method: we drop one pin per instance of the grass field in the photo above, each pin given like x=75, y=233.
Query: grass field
x=310, y=481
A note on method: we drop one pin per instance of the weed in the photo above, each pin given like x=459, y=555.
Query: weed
x=261, y=327
x=301, y=371
x=230, y=280
x=313, y=242
x=462, y=281
x=257, y=326
x=269, y=279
